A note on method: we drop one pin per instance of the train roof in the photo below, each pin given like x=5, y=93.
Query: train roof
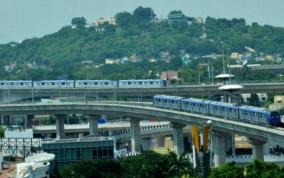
x=142, y=80
x=93, y=80
x=15, y=81
x=252, y=108
x=54, y=81
x=223, y=104
x=195, y=100
x=167, y=97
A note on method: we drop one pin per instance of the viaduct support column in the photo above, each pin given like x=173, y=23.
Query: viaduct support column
x=178, y=138
x=60, y=125
x=160, y=141
x=257, y=149
x=29, y=121
x=135, y=135
x=219, y=147
x=93, y=125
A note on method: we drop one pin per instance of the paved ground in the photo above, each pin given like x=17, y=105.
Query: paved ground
x=9, y=170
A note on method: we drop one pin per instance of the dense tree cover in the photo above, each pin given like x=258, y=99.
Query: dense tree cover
x=149, y=164
x=138, y=34
x=256, y=169
x=2, y=131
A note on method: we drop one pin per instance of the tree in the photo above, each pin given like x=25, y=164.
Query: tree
x=227, y=170
x=124, y=19
x=79, y=22
x=144, y=14
x=2, y=131
x=254, y=101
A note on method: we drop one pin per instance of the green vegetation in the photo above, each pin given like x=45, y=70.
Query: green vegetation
x=256, y=169
x=149, y=164
x=79, y=51
x=2, y=131
x=154, y=165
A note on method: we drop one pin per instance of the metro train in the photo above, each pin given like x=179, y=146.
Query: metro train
x=81, y=84
x=255, y=115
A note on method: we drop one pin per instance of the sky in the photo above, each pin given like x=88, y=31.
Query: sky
x=22, y=19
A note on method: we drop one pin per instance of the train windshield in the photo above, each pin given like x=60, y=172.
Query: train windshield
x=275, y=114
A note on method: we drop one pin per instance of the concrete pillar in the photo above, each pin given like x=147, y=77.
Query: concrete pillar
x=219, y=147
x=160, y=141
x=60, y=125
x=93, y=125
x=178, y=138
x=233, y=145
x=146, y=143
x=29, y=121
x=135, y=136
x=2, y=120
x=257, y=149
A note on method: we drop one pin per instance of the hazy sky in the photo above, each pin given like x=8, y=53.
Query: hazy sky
x=21, y=19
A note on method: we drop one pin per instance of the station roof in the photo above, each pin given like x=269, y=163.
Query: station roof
x=230, y=87
x=224, y=76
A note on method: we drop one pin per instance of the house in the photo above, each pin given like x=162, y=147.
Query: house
x=112, y=61
x=101, y=21
x=169, y=75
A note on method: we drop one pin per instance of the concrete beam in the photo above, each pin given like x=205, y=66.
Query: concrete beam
x=218, y=139
x=60, y=125
x=178, y=138
x=135, y=135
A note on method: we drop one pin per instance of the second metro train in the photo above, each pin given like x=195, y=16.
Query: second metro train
x=255, y=115
x=81, y=84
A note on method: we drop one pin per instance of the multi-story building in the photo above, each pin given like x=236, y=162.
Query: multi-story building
x=68, y=151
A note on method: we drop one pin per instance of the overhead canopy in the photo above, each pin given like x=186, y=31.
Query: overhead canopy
x=224, y=76
x=230, y=87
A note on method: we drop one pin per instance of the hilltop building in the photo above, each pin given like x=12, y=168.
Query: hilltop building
x=101, y=21
x=169, y=75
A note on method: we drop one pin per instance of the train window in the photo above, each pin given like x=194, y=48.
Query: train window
x=95, y=83
x=129, y=83
x=21, y=83
x=151, y=83
x=173, y=101
x=42, y=83
x=166, y=101
x=85, y=83
x=2, y=83
x=159, y=100
x=105, y=83
x=140, y=83
x=52, y=83
x=62, y=83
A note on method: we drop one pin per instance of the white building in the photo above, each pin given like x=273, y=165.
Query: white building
x=1, y=161
x=35, y=166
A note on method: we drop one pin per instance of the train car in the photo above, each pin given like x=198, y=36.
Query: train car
x=53, y=84
x=16, y=84
x=165, y=101
x=255, y=115
x=143, y=83
x=195, y=105
x=96, y=84
x=227, y=110
x=259, y=115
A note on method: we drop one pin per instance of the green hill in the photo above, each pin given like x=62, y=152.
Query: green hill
x=78, y=51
